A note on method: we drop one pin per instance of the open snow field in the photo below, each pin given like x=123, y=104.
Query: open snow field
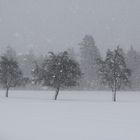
x=32, y=115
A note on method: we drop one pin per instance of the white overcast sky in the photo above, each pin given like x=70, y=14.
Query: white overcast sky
x=59, y=24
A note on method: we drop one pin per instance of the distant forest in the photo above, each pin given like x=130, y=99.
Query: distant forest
x=89, y=54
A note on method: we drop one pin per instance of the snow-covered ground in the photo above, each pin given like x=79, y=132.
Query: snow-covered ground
x=32, y=115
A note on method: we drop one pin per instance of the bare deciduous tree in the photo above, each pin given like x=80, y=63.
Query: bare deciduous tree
x=10, y=74
x=58, y=71
x=113, y=70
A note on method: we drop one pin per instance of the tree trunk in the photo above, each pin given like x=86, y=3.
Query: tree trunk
x=115, y=89
x=7, y=89
x=114, y=96
x=56, y=95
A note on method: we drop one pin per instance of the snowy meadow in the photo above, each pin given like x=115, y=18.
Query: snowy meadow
x=69, y=70
x=76, y=115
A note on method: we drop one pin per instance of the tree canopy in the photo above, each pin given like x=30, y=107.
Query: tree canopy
x=113, y=70
x=58, y=71
x=10, y=73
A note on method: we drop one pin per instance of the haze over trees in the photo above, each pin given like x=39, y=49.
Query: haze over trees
x=26, y=63
x=133, y=62
x=113, y=71
x=10, y=73
x=87, y=62
x=58, y=71
x=89, y=55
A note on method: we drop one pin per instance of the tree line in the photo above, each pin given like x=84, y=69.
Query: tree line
x=91, y=71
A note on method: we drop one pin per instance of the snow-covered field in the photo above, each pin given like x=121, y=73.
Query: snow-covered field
x=32, y=115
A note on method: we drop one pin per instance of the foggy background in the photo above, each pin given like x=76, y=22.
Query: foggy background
x=52, y=25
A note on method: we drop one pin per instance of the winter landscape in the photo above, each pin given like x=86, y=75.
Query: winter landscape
x=69, y=70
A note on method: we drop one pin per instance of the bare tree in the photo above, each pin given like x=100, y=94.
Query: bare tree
x=58, y=71
x=10, y=74
x=113, y=70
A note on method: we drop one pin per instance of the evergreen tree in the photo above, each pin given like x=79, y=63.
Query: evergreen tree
x=26, y=63
x=89, y=55
x=58, y=71
x=133, y=62
x=10, y=53
x=72, y=53
x=113, y=70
